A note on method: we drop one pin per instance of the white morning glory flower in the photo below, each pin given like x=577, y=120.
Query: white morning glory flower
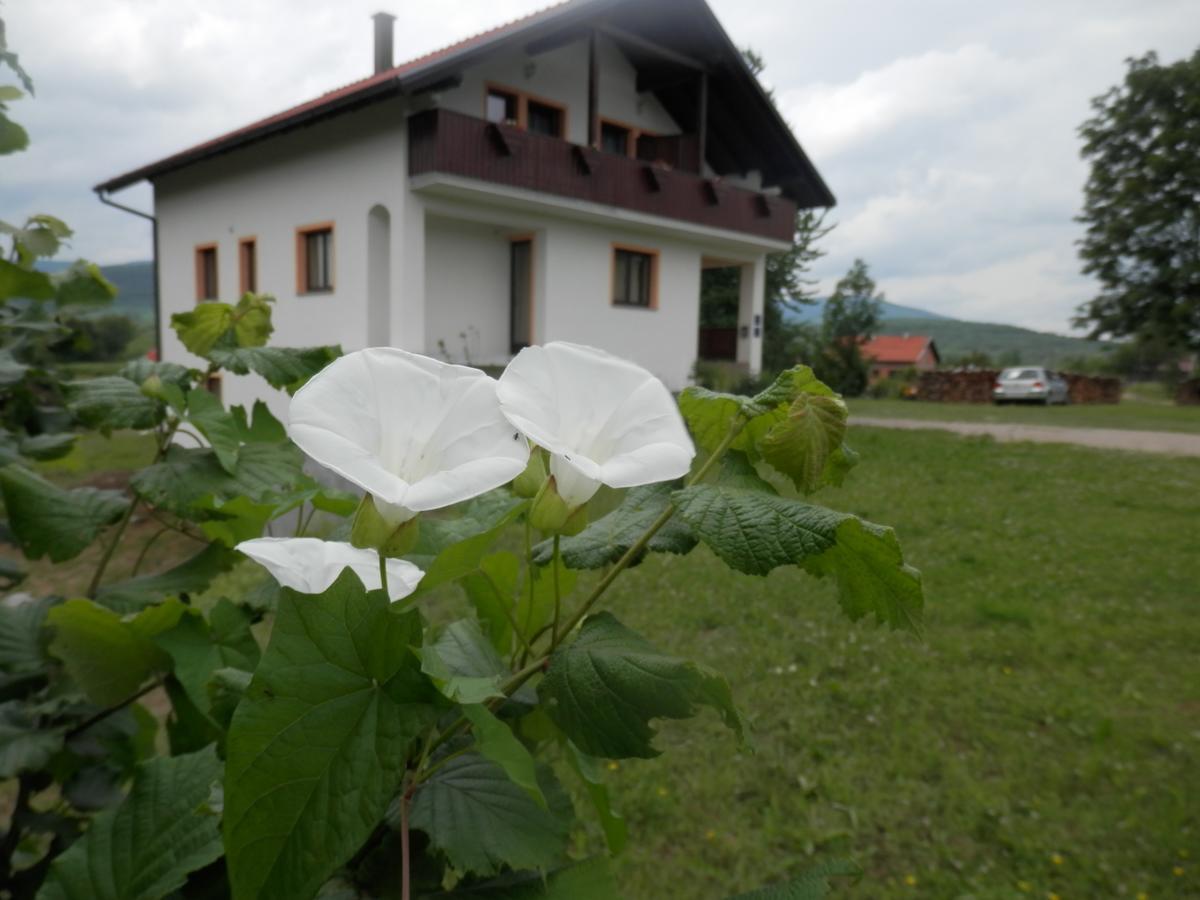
x=310, y=565
x=413, y=432
x=604, y=420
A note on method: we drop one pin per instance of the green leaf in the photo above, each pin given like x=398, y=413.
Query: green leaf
x=491, y=590
x=189, y=577
x=23, y=746
x=591, y=879
x=612, y=823
x=226, y=689
x=252, y=320
x=12, y=138
x=755, y=532
x=500, y=745
x=212, y=420
x=475, y=814
x=21, y=645
x=199, y=647
x=144, y=849
x=800, y=446
x=317, y=746
x=12, y=371
x=47, y=520
x=46, y=447
x=605, y=687
x=187, y=475
x=282, y=367
x=450, y=549
x=107, y=657
x=17, y=282
x=200, y=328
x=608, y=538
x=812, y=885
x=463, y=664
x=260, y=428
x=82, y=284
x=111, y=401
x=236, y=520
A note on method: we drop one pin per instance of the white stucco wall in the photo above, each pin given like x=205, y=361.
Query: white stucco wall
x=336, y=172
x=561, y=75
x=467, y=291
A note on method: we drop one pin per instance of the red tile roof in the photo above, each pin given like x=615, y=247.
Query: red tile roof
x=346, y=92
x=892, y=348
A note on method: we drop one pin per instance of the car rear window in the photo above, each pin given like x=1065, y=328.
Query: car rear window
x=1019, y=374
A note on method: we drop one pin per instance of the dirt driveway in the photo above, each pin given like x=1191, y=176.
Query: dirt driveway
x=1108, y=438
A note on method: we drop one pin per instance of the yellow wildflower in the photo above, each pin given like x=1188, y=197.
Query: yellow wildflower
x=1056, y=859
x=1177, y=871
x=710, y=835
x=613, y=765
x=1024, y=887
x=662, y=792
x=910, y=880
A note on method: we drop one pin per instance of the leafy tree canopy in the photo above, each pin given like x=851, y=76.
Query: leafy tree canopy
x=1142, y=205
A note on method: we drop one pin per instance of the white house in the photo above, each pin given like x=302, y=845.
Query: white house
x=566, y=176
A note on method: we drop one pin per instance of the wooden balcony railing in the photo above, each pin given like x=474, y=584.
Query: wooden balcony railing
x=451, y=143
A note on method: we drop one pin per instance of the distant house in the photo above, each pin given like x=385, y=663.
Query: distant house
x=888, y=353
x=567, y=176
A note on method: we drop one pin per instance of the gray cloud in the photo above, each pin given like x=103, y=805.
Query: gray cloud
x=946, y=129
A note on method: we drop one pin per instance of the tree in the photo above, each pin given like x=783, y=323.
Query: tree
x=1142, y=205
x=851, y=317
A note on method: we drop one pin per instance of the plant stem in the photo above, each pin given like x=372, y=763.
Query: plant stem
x=508, y=612
x=383, y=572
x=105, y=713
x=557, y=594
x=405, y=862
x=529, y=580
x=146, y=549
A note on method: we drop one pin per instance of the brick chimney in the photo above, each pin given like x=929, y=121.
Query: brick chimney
x=383, y=41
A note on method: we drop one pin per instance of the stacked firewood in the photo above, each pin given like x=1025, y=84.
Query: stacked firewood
x=1188, y=392
x=975, y=386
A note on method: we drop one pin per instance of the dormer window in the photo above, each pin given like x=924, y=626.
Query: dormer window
x=545, y=119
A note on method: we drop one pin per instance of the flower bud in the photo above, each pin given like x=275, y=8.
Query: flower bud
x=152, y=387
x=373, y=531
x=529, y=482
x=549, y=511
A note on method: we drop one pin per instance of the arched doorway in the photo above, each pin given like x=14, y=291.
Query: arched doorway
x=379, y=277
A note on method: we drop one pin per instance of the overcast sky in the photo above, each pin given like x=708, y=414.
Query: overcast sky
x=947, y=129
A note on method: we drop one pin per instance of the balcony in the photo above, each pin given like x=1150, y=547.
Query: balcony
x=450, y=143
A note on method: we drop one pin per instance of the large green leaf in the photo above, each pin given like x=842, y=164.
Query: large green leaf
x=188, y=474
x=108, y=657
x=144, y=849
x=608, y=538
x=21, y=645
x=794, y=428
x=463, y=663
x=47, y=520
x=18, y=282
x=612, y=823
x=111, y=401
x=491, y=590
x=212, y=420
x=475, y=814
x=282, y=367
x=24, y=747
x=451, y=549
x=47, y=446
x=191, y=576
x=82, y=284
x=317, y=746
x=198, y=647
x=812, y=885
x=498, y=743
x=200, y=328
x=755, y=532
x=605, y=687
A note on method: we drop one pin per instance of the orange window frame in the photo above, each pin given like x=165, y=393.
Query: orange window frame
x=302, y=233
x=198, y=254
x=655, y=259
x=248, y=264
x=634, y=134
x=523, y=99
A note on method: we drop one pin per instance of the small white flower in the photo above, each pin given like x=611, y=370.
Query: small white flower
x=310, y=565
x=415, y=433
x=604, y=420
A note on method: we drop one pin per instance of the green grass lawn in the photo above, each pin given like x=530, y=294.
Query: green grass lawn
x=1140, y=412
x=1043, y=738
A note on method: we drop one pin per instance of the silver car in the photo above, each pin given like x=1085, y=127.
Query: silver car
x=1030, y=384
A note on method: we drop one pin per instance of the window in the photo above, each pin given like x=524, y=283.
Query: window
x=206, y=272
x=502, y=106
x=248, y=265
x=314, y=259
x=542, y=118
x=615, y=138
x=635, y=277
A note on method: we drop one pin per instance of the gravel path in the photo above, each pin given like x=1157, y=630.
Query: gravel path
x=1109, y=438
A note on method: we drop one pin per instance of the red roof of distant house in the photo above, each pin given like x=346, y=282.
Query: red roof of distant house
x=893, y=348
